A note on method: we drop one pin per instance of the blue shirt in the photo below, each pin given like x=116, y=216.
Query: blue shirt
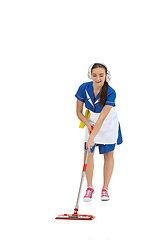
x=85, y=94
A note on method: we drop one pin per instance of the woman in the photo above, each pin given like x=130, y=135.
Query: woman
x=99, y=99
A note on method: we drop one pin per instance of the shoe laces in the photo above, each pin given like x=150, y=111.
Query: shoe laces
x=88, y=193
x=105, y=193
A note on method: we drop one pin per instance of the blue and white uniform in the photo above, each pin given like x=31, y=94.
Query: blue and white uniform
x=110, y=132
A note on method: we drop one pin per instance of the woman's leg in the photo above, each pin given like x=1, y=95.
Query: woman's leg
x=108, y=168
x=89, y=169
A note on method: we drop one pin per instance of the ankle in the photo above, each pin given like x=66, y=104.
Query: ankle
x=105, y=188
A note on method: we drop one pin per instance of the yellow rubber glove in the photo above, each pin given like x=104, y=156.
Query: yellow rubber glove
x=87, y=115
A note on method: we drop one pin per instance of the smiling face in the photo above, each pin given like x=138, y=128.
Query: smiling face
x=98, y=77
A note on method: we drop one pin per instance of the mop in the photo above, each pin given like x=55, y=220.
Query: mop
x=75, y=215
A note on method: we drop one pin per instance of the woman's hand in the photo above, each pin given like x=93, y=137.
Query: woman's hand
x=90, y=143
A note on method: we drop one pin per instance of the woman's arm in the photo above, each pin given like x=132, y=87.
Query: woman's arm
x=97, y=126
x=80, y=115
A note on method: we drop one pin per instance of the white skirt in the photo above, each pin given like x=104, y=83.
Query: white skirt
x=108, y=132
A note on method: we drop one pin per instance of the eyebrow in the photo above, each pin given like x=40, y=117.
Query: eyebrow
x=99, y=74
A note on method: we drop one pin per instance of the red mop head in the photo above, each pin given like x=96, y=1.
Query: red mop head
x=75, y=216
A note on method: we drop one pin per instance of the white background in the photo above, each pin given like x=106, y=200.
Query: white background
x=46, y=49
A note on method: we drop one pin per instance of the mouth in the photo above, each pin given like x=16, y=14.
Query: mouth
x=98, y=82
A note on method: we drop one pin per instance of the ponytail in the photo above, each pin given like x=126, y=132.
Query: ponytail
x=103, y=94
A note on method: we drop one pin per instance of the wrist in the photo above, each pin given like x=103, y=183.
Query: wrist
x=88, y=125
x=91, y=137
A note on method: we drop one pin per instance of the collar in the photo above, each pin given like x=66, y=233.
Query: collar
x=90, y=94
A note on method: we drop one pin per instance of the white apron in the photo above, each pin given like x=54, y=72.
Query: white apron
x=108, y=132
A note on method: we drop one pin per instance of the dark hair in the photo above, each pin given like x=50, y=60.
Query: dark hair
x=103, y=94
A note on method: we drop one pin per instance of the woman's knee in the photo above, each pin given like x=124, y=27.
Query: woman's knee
x=90, y=155
x=109, y=155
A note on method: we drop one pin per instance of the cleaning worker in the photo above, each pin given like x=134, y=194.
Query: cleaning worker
x=102, y=124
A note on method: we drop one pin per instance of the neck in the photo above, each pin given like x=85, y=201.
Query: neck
x=96, y=89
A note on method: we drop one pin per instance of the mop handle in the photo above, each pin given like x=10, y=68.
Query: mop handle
x=82, y=178
x=83, y=175
x=85, y=162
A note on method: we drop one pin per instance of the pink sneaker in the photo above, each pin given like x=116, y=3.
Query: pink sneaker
x=104, y=195
x=88, y=195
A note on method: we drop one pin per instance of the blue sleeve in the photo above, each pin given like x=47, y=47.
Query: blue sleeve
x=110, y=98
x=80, y=95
